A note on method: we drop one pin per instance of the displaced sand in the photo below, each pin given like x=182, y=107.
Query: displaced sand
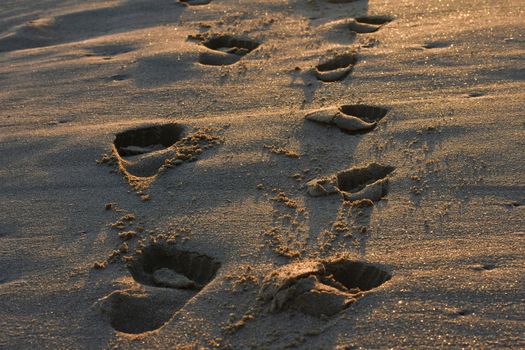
x=211, y=233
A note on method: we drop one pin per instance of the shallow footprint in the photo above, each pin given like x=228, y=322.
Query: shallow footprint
x=352, y=119
x=336, y=68
x=357, y=183
x=169, y=277
x=225, y=50
x=320, y=287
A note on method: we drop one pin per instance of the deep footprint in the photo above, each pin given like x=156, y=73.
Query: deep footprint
x=352, y=119
x=144, y=140
x=337, y=68
x=357, y=183
x=320, y=287
x=169, y=277
x=142, y=153
x=226, y=50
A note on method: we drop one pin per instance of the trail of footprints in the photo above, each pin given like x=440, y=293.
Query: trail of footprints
x=167, y=277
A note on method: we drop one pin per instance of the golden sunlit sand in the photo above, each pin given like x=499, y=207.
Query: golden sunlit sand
x=249, y=174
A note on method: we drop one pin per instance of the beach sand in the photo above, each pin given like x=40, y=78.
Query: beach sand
x=262, y=174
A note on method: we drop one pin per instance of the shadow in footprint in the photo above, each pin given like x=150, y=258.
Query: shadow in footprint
x=148, y=139
x=119, y=77
x=336, y=68
x=225, y=50
x=352, y=119
x=320, y=287
x=341, y=1
x=435, y=45
x=169, y=277
x=195, y=2
x=165, y=266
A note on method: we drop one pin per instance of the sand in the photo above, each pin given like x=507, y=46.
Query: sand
x=155, y=157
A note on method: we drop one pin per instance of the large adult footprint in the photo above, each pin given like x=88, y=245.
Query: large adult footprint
x=321, y=287
x=336, y=68
x=357, y=183
x=169, y=277
x=353, y=119
x=143, y=152
x=225, y=50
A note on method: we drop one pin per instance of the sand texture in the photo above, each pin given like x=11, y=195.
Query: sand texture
x=249, y=174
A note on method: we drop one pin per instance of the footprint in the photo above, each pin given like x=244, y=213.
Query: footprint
x=169, y=278
x=119, y=77
x=475, y=94
x=319, y=288
x=357, y=183
x=352, y=119
x=225, y=50
x=195, y=2
x=142, y=153
x=368, y=24
x=483, y=267
x=336, y=68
